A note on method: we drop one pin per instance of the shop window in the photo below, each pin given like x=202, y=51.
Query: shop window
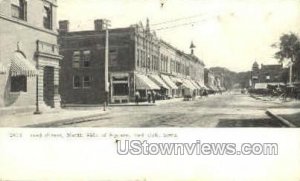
x=87, y=81
x=18, y=84
x=76, y=82
x=47, y=16
x=76, y=59
x=120, y=89
x=19, y=9
x=86, y=58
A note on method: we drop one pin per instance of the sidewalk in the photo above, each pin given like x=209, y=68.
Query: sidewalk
x=289, y=102
x=157, y=102
x=48, y=119
x=289, y=116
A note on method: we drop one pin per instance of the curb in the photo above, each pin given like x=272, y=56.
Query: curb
x=124, y=105
x=63, y=122
x=281, y=119
x=146, y=104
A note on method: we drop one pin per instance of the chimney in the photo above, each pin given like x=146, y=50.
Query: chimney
x=64, y=26
x=99, y=25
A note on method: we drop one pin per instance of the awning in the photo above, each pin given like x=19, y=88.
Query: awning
x=21, y=66
x=142, y=82
x=261, y=86
x=195, y=84
x=156, y=79
x=169, y=82
x=188, y=84
x=202, y=85
x=3, y=69
x=209, y=87
x=177, y=81
x=276, y=84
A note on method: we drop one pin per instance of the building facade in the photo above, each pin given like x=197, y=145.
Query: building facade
x=274, y=73
x=210, y=80
x=29, y=55
x=138, y=61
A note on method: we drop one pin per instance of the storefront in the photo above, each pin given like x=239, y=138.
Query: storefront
x=165, y=91
x=120, y=87
x=171, y=84
x=143, y=84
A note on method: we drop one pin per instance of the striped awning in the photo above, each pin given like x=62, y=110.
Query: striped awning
x=155, y=78
x=3, y=69
x=142, y=82
x=169, y=82
x=196, y=85
x=188, y=84
x=21, y=66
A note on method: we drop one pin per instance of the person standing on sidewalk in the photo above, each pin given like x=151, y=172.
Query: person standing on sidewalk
x=137, y=96
x=153, y=95
x=149, y=96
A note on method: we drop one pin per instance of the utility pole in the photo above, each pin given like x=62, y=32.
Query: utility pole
x=291, y=74
x=106, y=24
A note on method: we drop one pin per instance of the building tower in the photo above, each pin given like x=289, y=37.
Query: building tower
x=255, y=73
x=192, y=46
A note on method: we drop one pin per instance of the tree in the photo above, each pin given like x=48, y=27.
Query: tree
x=289, y=48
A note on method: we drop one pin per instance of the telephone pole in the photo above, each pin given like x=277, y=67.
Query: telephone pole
x=107, y=25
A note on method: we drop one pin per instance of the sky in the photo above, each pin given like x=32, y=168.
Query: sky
x=227, y=33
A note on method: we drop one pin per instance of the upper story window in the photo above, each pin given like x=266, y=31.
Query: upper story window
x=86, y=58
x=47, y=16
x=113, y=56
x=19, y=9
x=87, y=81
x=76, y=59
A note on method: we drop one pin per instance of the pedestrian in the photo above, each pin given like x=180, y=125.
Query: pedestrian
x=137, y=97
x=149, y=96
x=194, y=94
x=153, y=95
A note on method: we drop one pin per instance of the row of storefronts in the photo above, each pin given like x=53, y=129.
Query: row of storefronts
x=138, y=61
x=165, y=86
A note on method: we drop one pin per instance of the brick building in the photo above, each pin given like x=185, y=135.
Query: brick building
x=138, y=61
x=29, y=57
x=210, y=80
x=185, y=70
x=274, y=73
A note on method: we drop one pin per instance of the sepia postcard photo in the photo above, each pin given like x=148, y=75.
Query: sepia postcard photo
x=130, y=71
